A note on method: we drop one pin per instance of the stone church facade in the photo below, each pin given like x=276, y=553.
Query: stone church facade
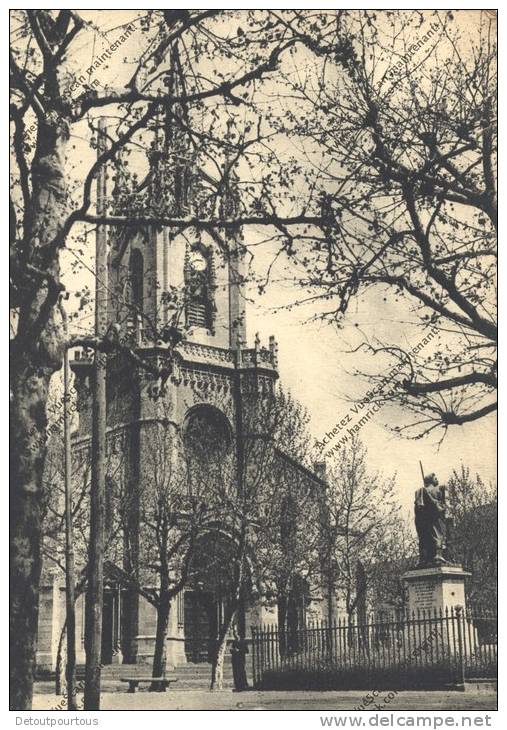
x=163, y=281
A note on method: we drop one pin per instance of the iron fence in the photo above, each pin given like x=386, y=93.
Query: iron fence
x=425, y=648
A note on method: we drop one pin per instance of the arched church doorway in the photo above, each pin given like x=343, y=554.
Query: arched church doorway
x=207, y=600
x=209, y=451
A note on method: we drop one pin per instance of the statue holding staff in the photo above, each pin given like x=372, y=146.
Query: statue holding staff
x=430, y=522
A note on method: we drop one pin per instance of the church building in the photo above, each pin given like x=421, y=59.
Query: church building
x=176, y=298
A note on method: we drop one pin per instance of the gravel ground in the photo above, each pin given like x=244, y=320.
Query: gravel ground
x=228, y=700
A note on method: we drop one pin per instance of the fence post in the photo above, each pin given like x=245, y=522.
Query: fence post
x=254, y=648
x=461, y=664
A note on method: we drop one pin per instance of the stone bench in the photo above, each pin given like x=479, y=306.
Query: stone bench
x=134, y=682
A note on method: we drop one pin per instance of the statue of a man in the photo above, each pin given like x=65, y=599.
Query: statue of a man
x=430, y=522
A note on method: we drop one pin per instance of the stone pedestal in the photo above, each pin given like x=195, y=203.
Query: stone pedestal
x=437, y=612
x=436, y=588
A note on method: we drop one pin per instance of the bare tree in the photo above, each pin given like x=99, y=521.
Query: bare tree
x=53, y=512
x=473, y=512
x=396, y=553
x=248, y=493
x=287, y=554
x=48, y=99
x=173, y=515
x=397, y=136
x=359, y=509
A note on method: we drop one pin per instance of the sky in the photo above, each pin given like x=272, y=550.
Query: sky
x=315, y=366
x=313, y=359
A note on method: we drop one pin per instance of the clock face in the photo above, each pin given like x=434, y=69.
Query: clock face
x=197, y=261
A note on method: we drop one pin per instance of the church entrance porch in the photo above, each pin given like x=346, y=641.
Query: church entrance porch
x=111, y=622
x=203, y=617
x=207, y=601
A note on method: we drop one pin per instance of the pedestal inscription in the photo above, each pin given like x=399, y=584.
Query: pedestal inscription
x=424, y=597
x=435, y=588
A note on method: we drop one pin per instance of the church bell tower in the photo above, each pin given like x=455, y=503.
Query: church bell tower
x=176, y=299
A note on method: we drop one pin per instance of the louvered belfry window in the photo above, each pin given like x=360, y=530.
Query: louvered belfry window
x=197, y=316
x=198, y=289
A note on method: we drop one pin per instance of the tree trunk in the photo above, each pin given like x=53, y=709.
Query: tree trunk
x=282, y=616
x=36, y=355
x=70, y=668
x=27, y=427
x=60, y=665
x=160, y=655
x=349, y=607
x=25, y=536
x=217, y=667
x=94, y=596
